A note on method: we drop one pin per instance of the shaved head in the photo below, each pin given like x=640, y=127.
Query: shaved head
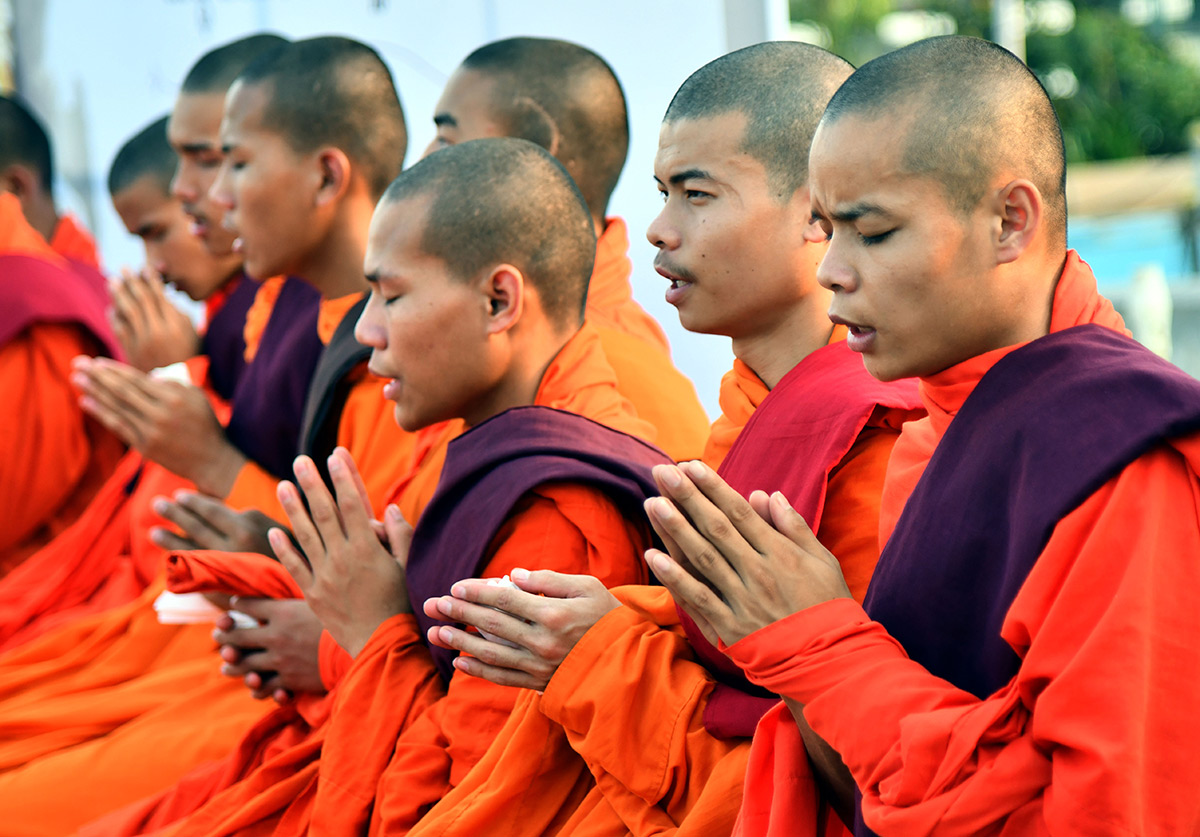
x=337, y=92
x=964, y=109
x=147, y=154
x=782, y=88
x=506, y=201
x=217, y=69
x=566, y=99
x=24, y=141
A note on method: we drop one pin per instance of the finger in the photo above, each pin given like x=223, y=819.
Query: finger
x=348, y=460
x=355, y=514
x=295, y=563
x=700, y=556
x=556, y=585
x=242, y=638
x=489, y=660
x=322, y=515
x=399, y=534
x=302, y=527
x=125, y=301
x=168, y=540
x=695, y=597
x=215, y=514
x=264, y=610
x=495, y=597
x=731, y=508
x=761, y=503
x=194, y=527
x=154, y=294
x=487, y=619
x=790, y=522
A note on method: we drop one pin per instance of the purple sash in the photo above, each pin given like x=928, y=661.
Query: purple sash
x=1043, y=430
x=492, y=466
x=222, y=342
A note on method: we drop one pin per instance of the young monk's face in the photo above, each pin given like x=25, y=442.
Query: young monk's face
x=193, y=132
x=734, y=254
x=912, y=276
x=428, y=329
x=171, y=249
x=263, y=187
x=464, y=111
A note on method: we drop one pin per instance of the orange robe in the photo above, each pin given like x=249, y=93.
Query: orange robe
x=557, y=767
x=147, y=700
x=71, y=241
x=1108, y=610
x=637, y=350
x=300, y=769
x=54, y=456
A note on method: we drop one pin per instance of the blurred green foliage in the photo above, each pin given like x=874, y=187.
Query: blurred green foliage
x=1133, y=98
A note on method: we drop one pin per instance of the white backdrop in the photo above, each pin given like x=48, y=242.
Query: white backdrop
x=98, y=71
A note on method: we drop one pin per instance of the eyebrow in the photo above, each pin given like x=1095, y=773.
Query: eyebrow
x=196, y=147
x=853, y=212
x=445, y=119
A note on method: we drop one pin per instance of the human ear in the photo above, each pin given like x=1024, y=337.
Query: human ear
x=1019, y=209
x=18, y=180
x=334, y=167
x=504, y=289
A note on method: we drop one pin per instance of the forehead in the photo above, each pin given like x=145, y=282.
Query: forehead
x=860, y=160
x=196, y=118
x=142, y=200
x=709, y=145
x=395, y=234
x=244, y=108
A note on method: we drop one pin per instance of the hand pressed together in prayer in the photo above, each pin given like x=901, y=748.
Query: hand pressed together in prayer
x=208, y=523
x=735, y=566
x=152, y=332
x=280, y=657
x=351, y=576
x=537, y=624
x=167, y=422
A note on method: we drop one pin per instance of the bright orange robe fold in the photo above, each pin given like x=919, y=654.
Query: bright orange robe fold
x=71, y=241
x=637, y=350
x=1107, y=610
x=53, y=457
x=617, y=744
x=149, y=694
x=395, y=729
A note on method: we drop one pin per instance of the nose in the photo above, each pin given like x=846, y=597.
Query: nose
x=662, y=233
x=835, y=273
x=370, y=329
x=180, y=187
x=221, y=190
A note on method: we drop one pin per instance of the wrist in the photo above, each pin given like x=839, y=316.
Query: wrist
x=220, y=471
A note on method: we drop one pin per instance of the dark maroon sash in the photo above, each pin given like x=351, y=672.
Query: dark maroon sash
x=269, y=397
x=35, y=290
x=796, y=437
x=223, y=342
x=1043, y=430
x=491, y=467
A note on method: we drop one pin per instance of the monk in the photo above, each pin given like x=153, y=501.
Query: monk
x=478, y=334
x=154, y=333
x=1018, y=664
x=66, y=692
x=27, y=171
x=54, y=456
x=567, y=99
x=591, y=754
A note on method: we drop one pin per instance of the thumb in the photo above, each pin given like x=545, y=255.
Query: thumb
x=790, y=522
x=251, y=607
x=399, y=534
x=554, y=584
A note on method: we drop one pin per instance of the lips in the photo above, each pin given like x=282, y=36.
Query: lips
x=859, y=338
x=678, y=287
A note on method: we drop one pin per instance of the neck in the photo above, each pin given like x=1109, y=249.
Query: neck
x=335, y=267
x=774, y=350
x=518, y=387
x=42, y=216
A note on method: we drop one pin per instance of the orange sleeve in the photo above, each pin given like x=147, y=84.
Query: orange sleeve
x=255, y=488
x=632, y=675
x=850, y=520
x=564, y=527
x=46, y=440
x=1095, y=734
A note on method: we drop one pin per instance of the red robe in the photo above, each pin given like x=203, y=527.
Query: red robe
x=1107, y=609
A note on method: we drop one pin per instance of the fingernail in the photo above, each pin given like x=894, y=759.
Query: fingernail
x=393, y=512
x=783, y=501
x=519, y=575
x=458, y=591
x=160, y=505
x=695, y=468
x=302, y=467
x=443, y=607
x=445, y=635
x=659, y=563
x=671, y=477
x=662, y=507
x=335, y=465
